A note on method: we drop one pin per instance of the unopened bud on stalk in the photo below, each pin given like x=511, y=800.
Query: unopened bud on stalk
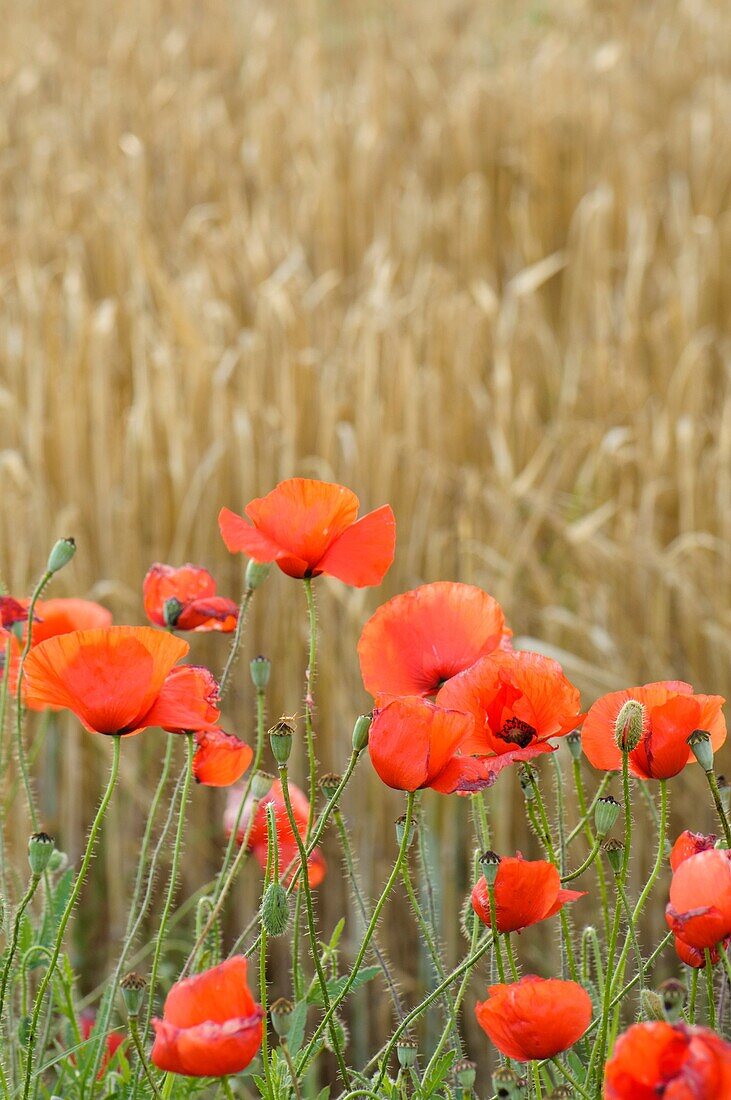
x=171, y=611
x=574, y=743
x=59, y=861
x=468, y=917
x=700, y=743
x=281, y=1015
x=528, y=781
x=280, y=739
x=406, y=1051
x=40, y=849
x=61, y=555
x=260, y=668
x=361, y=729
x=629, y=726
x=673, y=994
x=490, y=863
x=329, y=784
x=275, y=910
x=401, y=826
x=614, y=851
x=651, y=1005
x=724, y=790
x=507, y=1085
x=256, y=573
x=465, y=1072
x=133, y=987
x=606, y=813
x=261, y=784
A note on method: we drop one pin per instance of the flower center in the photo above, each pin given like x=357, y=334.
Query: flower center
x=517, y=732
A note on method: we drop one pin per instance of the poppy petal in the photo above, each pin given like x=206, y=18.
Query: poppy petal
x=303, y=517
x=363, y=554
x=165, y=582
x=186, y=701
x=240, y=537
x=207, y=1050
x=220, y=759
x=211, y=613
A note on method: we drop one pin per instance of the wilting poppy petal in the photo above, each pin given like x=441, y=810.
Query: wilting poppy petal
x=659, y=1059
x=220, y=759
x=699, y=910
x=535, y=1017
x=309, y=527
x=194, y=589
x=690, y=844
x=187, y=701
x=211, y=1024
x=212, y=613
x=526, y=891
x=417, y=640
x=11, y=612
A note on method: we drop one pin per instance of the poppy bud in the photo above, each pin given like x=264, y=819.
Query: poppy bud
x=490, y=863
x=341, y=1034
x=465, y=1072
x=614, y=851
x=275, y=910
x=133, y=987
x=280, y=739
x=724, y=790
x=261, y=784
x=651, y=1004
x=256, y=573
x=40, y=850
x=361, y=730
x=528, y=779
x=400, y=827
x=260, y=668
x=700, y=743
x=329, y=784
x=629, y=726
x=406, y=1051
x=171, y=611
x=61, y=555
x=673, y=995
x=507, y=1085
x=59, y=861
x=468, y=917
x=606, y=813
x=574, y=743
x=281, y=1015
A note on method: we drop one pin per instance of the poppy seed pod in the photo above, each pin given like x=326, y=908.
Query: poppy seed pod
x=561, y=1092
x=40, y=849
x=406, y=1051
x=629, y=725
x=361, y=730
x=700, y=743
x=614, y=849
x=133, y=987
x=574, y=743
x=329, y=784
x=401, y=826
x=260, y=669
x=281, y=1016
x=507, y=1085
x=171, y=609
x=606, y=813
x=465, y=1072
x=61, y=555
x=261, y=784
x=490, y=863
x=673, y=994
x=275, y=910
x=280, y=739
x=256, y=573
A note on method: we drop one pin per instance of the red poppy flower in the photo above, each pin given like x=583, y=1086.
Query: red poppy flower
x=286, y=842
x=518, y=701
x=311, y=527
x=416, y=641
x=121, y=679
x=211, y=1025
x=61, y=616
x=671, y=1060
x=699, y=910
x=672, y=713
x=11, y=612
x=220, y=759
x=526, y=891
x=193, y=604
x=415, y=744
x=115, y=1039
x=534, y=1017
x=690, y=844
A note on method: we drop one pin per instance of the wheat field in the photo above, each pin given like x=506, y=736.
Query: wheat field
x=469, y=259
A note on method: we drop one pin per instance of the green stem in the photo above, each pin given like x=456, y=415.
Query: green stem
x=434, y=955
x=632, y=931
x=263, y=995
x=135, y=1033
x=570, y=1078
x=585, y=825
x=226, y=1086
x=73, y=898
x=312, y=932
x=627, y=796
x=709, y=990
x=544, y=832
x=585, y=811
x=236, y=643
x=496, y=932
x=511, y=957
x=310, y=701
x=258, y=753
x=693, y=995
x=172, y=884
x=20, y=709
x=25, y=902
x=713, y=784
x=585, y=865
x=537, y=1081
x=393, y=878
x=284, y=1047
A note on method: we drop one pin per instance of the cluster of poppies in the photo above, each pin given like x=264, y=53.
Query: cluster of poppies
x=453, y=705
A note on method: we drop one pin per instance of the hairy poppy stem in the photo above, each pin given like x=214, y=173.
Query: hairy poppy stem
x=268, y=874
x=135, y=1033
x=393, y=878
x=73, y=898
x=236, y=642
x=310, y=702
x=713, y=784
x=496, y=933
x=258, y=753
x=544, y=832
x=565, y=1073
x=172, y=884
x=710, y=1001
x=585, y=865
x=25, y=902
x=588, y=832
x=627, y=796
x=20, y=709
x=537, y=1081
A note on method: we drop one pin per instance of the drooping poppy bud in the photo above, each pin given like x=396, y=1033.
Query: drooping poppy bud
x=281, y=1017
x=361, y=730
x=61, y=555
x=275, y=910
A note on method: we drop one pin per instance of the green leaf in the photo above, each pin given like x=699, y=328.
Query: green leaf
x=336, y=985
x=297, y=1023
x=437, y=1075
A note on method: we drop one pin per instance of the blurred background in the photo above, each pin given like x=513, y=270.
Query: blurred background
x=468, y=259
